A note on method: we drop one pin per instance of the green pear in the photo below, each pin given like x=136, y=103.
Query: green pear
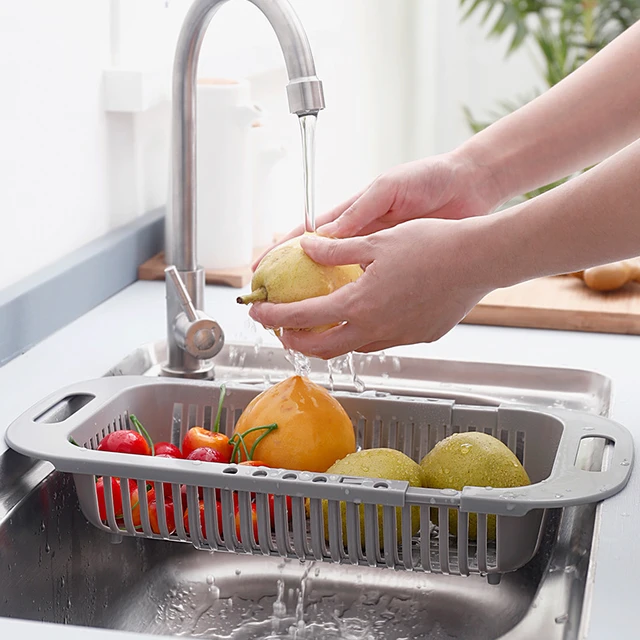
x=388, y=464
x=288, y=274
x=472, y=459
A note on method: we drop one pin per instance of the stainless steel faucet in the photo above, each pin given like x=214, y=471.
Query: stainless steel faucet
x=193, y=337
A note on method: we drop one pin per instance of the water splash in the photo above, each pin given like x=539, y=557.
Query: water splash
x=190, y=621
x=344, y=364
x=357, y=382
x=236, y=357
x=333, y=370
x=279, y=608
x=301, y=363
x=306, y=608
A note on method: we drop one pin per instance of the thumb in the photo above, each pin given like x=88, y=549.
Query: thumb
x=331, y=251
x=374, y=203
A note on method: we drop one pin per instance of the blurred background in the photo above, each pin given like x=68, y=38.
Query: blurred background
x=85, y=108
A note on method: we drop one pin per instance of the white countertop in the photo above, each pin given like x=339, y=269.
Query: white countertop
x=136, y=316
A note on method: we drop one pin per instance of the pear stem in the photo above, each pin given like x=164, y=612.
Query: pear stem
x=259, y=295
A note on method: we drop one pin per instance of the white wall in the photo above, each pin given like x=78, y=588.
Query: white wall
x=395, y=76
x=53, y=131
x=457, y=65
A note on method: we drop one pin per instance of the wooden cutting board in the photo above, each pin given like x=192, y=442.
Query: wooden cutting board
x=561, y=302
x=153, y=269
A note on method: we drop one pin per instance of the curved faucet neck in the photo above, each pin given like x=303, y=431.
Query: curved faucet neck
x=304, y=93
x=305, y=96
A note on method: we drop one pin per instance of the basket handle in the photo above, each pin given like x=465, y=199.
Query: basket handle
x=567, y=485
x=47, y=418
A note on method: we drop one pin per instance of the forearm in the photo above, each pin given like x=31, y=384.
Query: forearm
x=588, y=116
x=593, y=219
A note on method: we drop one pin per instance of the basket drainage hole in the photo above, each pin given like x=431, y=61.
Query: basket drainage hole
x=380, y=485
x=319, y=479
x=289, y=476
x=261, y=473
x=230, y=470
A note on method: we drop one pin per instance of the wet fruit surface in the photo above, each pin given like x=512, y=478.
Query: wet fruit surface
x=313, y=430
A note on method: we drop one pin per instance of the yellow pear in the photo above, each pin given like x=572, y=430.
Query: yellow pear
x=385, y=463
x=472, y=459
x=288, y=274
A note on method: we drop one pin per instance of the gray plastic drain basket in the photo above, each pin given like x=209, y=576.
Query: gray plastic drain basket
x=546, y=442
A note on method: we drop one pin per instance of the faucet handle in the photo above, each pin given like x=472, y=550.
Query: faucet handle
x=195, y=331
x=182, y=293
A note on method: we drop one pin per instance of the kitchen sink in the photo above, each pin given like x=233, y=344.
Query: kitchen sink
x=58, y=568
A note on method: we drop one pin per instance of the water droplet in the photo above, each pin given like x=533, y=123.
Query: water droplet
x=489, y=488
x=624, y=463
x=238, y=572
x=210, y=580
x=625, y=514
x=588, y=428
x=196, y=462
x=562, y=618
x=449, y=492
x=511, y=507
x=559, y=495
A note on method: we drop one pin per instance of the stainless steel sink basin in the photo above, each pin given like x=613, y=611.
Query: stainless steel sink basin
x=471, y=382
x=56, y=567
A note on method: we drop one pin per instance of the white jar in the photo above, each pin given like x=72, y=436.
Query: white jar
x=224, y=117
x=267, y=152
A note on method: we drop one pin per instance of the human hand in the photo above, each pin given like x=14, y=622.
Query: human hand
x=421, y=278
x=450, y=186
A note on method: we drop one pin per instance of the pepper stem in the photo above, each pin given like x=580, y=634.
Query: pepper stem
x=259, y=295
x=238, y=440
x=236, y=445
x=268, y=430
x=216, y=425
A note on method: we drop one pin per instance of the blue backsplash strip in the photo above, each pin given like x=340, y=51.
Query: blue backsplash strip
x=44, y=302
